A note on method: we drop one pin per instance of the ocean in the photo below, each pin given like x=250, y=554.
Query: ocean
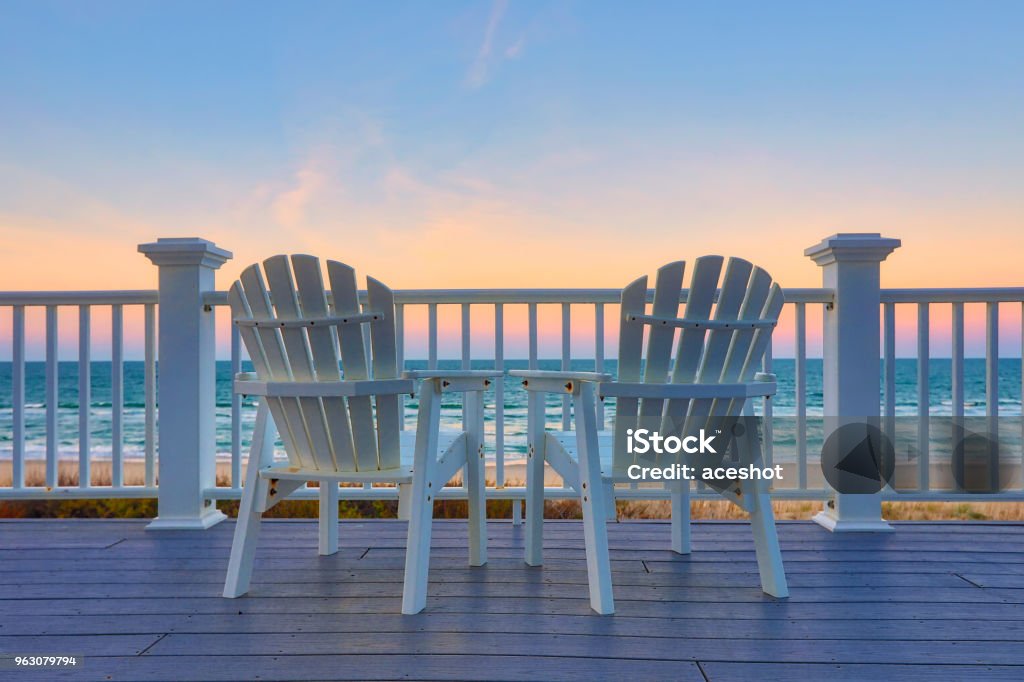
x=515, y=403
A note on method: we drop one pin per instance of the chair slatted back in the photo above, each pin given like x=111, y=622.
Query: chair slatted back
x=742, y=305
x=325, y=434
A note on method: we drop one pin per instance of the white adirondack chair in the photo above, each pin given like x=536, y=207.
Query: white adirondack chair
x=343, y=425
x=709, y=385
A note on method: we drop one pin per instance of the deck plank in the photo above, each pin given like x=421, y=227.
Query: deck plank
x=503, y=668
x=948, y=652
x=710, y=627
x=720, y=671
x=502, y=573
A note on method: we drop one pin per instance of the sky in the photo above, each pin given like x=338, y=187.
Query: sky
x=512, y=144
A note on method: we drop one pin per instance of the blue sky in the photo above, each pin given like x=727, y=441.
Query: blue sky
x=412, y=138
x=204, y=116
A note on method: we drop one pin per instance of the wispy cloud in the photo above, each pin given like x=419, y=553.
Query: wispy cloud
x=479, y=70
x=515, y=49
x=291, y=205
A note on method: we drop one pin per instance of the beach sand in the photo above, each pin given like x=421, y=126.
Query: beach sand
x=515, y=473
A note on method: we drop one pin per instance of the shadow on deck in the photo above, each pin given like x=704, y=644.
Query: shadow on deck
x=932, y=601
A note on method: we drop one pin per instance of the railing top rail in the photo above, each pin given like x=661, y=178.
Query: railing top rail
x=520, y=296
x=125, y=297
x=954, y=295
x=526, y=296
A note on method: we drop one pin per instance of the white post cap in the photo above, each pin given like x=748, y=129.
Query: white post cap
x=185, y=251
x=852, y=246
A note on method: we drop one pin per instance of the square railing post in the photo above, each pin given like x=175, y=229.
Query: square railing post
x=186, y=387
x=850, y=265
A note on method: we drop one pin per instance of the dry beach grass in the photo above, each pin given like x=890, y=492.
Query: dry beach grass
x=134, y=472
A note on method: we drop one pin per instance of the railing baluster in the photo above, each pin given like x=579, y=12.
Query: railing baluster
x=889, y=355
x=432, y=336
x=117, y=396
x=150, y=400
x=957, y=370
x=18, y=397
x=466, y=341
x=533, y=364
x=400, y=353
x=992, y=390
x=532, y=333
x=466, y=356
x=52, y=438
x=236, y=410
x=599, y=355
x=957, y=363
x=923, y=399
x=769, y=427
x=499, y=396
x=801, y=394
x=84, y=396
x=566, y=350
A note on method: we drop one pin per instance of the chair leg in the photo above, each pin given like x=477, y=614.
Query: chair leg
x=766, y=545
x=534, y=554
x=404, y=500
x=254, y=498
x=328, y=518
x=595, y=529
x=680, y=529
x=421, y=508
x=474, y=476
x=762, y=517
x=243, y=547
x=611, y=513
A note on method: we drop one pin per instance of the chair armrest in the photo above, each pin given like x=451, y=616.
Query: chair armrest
x=558, y=374
x=322, y=389
x=553, y=381
x=452, y=374
x=456, y=380
x=751, y=389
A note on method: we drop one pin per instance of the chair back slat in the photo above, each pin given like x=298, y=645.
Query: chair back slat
x=667, y=286
x=286, y=307
x=724, y=413
x=285, y=300
x=703, y=286
x=690, y=349
x=240, y=311
x=631, y=344
x=753, y=305
x=270, y=338
x=353, y=364
x=286, y=411
x=716, y=348
x=381, y=299
x=323, y=343
x=734, y=289
x=763, y=337
x=759, y=343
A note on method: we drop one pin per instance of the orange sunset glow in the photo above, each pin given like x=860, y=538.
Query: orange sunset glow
x=527, y=158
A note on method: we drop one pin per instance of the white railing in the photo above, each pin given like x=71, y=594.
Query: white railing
x=85, y=302
x=502, y=304
x=924, y=301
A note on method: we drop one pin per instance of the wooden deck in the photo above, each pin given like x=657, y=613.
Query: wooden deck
x=929, y=602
